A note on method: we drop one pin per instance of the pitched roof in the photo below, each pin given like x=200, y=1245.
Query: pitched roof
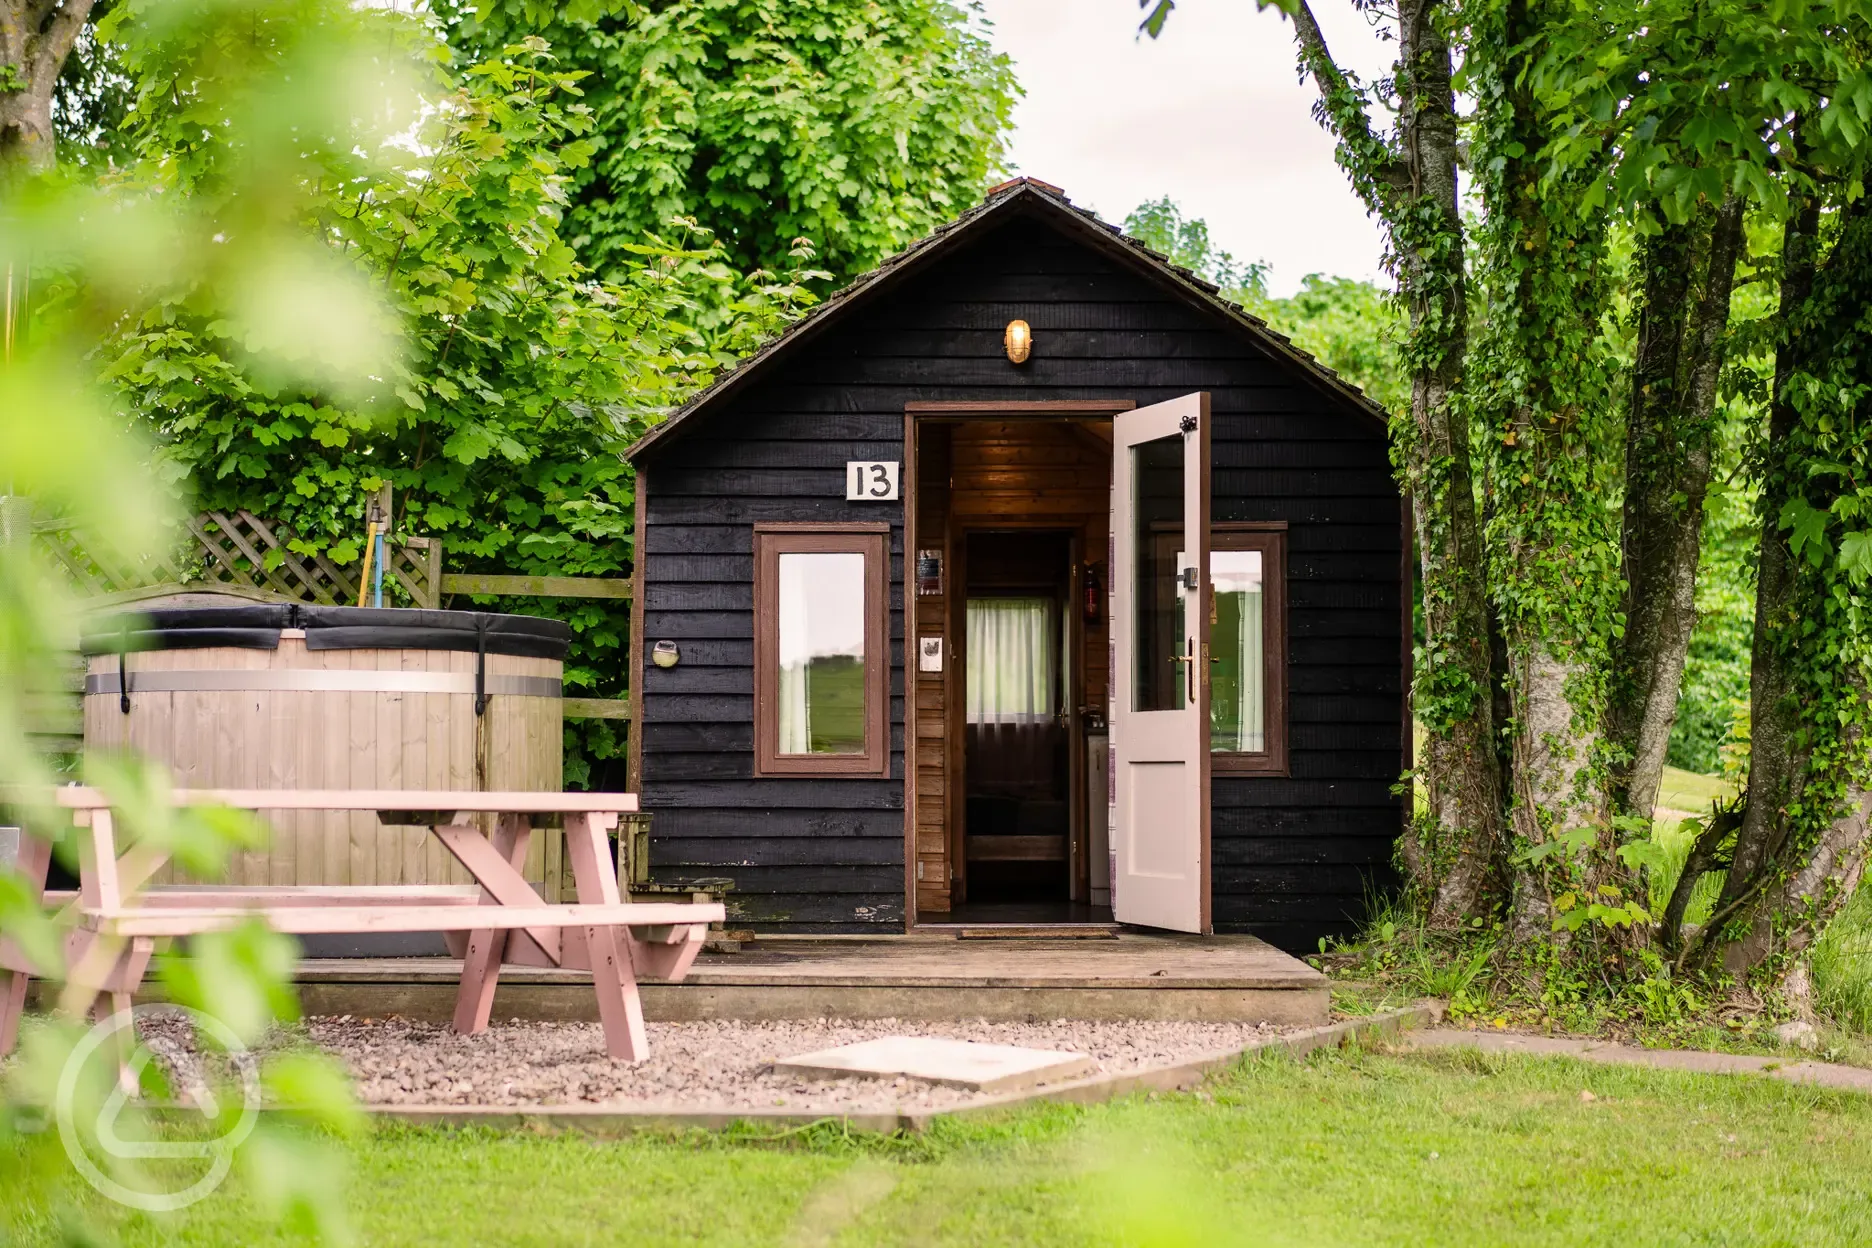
x=1003, y=202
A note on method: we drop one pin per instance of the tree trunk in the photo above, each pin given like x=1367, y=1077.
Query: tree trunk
x=1453, y=855
x=1688, y=273
x=1803, y=839
x=1459, y=769
x=1538, y=379
x=35, y=38
x=1777, y=757
x=1793, y=911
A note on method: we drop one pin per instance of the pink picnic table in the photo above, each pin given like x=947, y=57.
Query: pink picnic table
x=115, y=923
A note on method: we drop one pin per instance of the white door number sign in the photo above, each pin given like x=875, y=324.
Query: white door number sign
x=870, y=482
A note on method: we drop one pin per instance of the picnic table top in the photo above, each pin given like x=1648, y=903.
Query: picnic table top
x=82, y=797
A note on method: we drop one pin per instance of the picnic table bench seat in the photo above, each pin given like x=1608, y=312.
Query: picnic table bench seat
x=116, y=921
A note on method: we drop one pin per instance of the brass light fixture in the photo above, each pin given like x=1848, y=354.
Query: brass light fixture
x=1019, y=341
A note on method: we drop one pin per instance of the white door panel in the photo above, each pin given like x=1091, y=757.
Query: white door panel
x=1160, y=671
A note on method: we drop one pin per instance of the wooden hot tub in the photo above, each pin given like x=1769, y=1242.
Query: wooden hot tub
x=304, y=697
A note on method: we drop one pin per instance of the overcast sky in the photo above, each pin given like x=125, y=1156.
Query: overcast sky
x=1211, y=114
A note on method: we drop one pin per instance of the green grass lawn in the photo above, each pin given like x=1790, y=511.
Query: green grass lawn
x=1687, y=791
x=1345, y=1149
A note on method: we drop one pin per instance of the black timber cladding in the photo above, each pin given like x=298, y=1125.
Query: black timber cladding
x=1295, y=858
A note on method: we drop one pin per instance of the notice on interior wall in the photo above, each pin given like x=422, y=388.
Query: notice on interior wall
x=929, y=654
x=870, y=482
x=929, y=573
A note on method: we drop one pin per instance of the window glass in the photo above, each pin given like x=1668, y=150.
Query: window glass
x=1013, y=661
x=1237, y=646
x=821, y=653
x=1158, y=648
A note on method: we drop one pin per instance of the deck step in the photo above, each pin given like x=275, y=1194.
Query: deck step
x=915, y=979
x=1042, y=931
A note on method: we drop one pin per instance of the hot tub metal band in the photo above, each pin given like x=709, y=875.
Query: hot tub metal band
x=313, y=680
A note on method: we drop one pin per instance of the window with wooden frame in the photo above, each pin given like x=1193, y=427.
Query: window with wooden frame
x=1248, y=647
x=821, y=650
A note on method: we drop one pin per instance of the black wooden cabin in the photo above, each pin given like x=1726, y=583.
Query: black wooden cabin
x=966, y=779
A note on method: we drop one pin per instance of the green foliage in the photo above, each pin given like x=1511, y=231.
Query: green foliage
x=263, y=100
x=1840, y=966
x=1351, y=326
x=1160, y=225
x=1821, y=634
x=1540, y=373
x=1667, y=850
x=860, y=124
x=91, y=101
x=1713, y=704
x=501, y=428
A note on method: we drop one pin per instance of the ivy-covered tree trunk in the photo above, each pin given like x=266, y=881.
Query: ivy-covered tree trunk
x=1775, y=755
x=1687, y=272
x=35, y=38
x=1540, y=385
x=1409, y=183
x=1460, y=773
x=1803, y=835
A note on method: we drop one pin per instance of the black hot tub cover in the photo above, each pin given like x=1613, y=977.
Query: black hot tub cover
x=257, y=627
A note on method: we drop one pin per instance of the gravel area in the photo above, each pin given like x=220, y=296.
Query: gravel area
x=711, y=1065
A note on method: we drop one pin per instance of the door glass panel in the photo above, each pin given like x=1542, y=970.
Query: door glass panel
x=1158, y=680
x=822, y=658
x=1238, y=668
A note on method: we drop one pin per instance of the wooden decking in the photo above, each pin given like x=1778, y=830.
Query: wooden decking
x=931, y=978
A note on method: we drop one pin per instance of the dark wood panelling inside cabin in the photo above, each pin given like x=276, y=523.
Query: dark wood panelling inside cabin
x=1295, y=857
x=990, y=491
x=936, y=830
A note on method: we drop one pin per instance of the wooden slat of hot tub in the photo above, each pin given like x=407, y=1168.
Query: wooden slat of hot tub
x=340, y=740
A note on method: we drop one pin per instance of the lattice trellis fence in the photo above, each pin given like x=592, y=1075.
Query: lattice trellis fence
x=237, y=552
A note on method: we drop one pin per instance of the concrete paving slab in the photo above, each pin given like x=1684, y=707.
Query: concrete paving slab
x=955, y=1063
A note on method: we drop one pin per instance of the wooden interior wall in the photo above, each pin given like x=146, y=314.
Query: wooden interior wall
x=980, y=474
x=1040, y=474
x=932, y=734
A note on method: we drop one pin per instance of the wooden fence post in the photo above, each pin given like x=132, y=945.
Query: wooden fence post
x=433, y=599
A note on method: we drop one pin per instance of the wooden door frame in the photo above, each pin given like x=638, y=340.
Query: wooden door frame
x=1068, y=410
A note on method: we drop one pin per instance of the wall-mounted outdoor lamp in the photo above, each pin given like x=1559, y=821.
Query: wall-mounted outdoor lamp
x=1019, y=341
x=665, y=654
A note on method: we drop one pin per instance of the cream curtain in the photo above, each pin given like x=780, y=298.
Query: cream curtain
x=1013, y=660
x=795, y=712
x=1238, y=705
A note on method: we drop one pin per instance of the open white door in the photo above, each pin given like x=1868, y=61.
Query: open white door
x=1160, y=665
